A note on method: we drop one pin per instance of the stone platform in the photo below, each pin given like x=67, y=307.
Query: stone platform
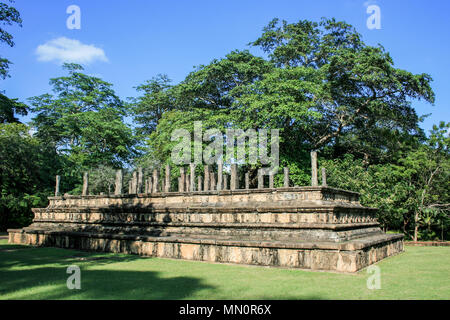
x=316, y=228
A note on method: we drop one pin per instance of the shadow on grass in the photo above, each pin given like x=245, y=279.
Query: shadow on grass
x=40, y=273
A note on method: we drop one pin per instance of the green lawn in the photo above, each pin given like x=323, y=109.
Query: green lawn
x=40, y=273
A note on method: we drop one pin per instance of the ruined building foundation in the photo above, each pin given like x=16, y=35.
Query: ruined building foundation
x=313, y=227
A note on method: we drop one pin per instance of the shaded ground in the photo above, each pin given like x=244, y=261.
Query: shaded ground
x=40, y=273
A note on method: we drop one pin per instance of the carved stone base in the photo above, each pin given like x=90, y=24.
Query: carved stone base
x=309, y=228
x=349, y=256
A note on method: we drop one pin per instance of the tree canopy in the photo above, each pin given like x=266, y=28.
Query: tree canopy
x=322, y=86
x=326, y=90
x=8, y=16
x=8, y=107
x=84, y=119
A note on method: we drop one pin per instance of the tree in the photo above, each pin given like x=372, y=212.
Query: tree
x=149, y=108
x=210, y=90
x=382, y=186
x=411, y=193
x=325, y=89
x=331, y=84
x=207, y=94
x=429, y=170
x=322, y=87
x=8, y=107
x=102, y=179
x=85, y=120
x=8, y=16
x=27, y=171
x=217, y=85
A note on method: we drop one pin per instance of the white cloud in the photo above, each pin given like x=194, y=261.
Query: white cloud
x=69, y=50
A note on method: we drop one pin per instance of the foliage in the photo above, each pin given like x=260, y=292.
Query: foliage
x=8, y=16
x=149, y=108
x=319, y=83
x=328, y=83
x=25, y=175
x=9, y=108
x=322, y=86
x=102, y=179
x=325, y=89
x=85, y=120
x=410, y=194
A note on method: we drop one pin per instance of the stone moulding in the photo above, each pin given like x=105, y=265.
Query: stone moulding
x=316, y=228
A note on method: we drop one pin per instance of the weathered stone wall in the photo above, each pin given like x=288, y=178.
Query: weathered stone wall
x=325, y=256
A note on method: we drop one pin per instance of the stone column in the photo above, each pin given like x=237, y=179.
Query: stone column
x=225, y=182
x=155, y=180
x=314, y=180
x=286, y=177
x=212, y=176
x=260, y=179
x=324, y=177
x=271, y=182
x=85, y=191
x=58, y=180
x=247, y=180
x=200, y=183
x=163, y=185
x=220, y=175
x=167, y=184
x=119, y=182
x=150, y=185
x=188, y=183
x=192, y=177
x=134, y=183
x=182, y=180
x=140, y=177
x=234, y=182
x=206, y=179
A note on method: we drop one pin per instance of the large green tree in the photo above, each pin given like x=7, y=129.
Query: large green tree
x=325, y=89
x=84, y=120
x=155, y=101
x=330, y=84
x=207, y=94
x=429, y=173
x=412, y=193
x=322, y=86
x=210, y=90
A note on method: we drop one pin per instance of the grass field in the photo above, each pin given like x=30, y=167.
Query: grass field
x=40, y=273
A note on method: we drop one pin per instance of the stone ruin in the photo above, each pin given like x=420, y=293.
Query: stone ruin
x=310, y=227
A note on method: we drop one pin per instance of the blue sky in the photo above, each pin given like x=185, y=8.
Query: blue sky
x=128, y=42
